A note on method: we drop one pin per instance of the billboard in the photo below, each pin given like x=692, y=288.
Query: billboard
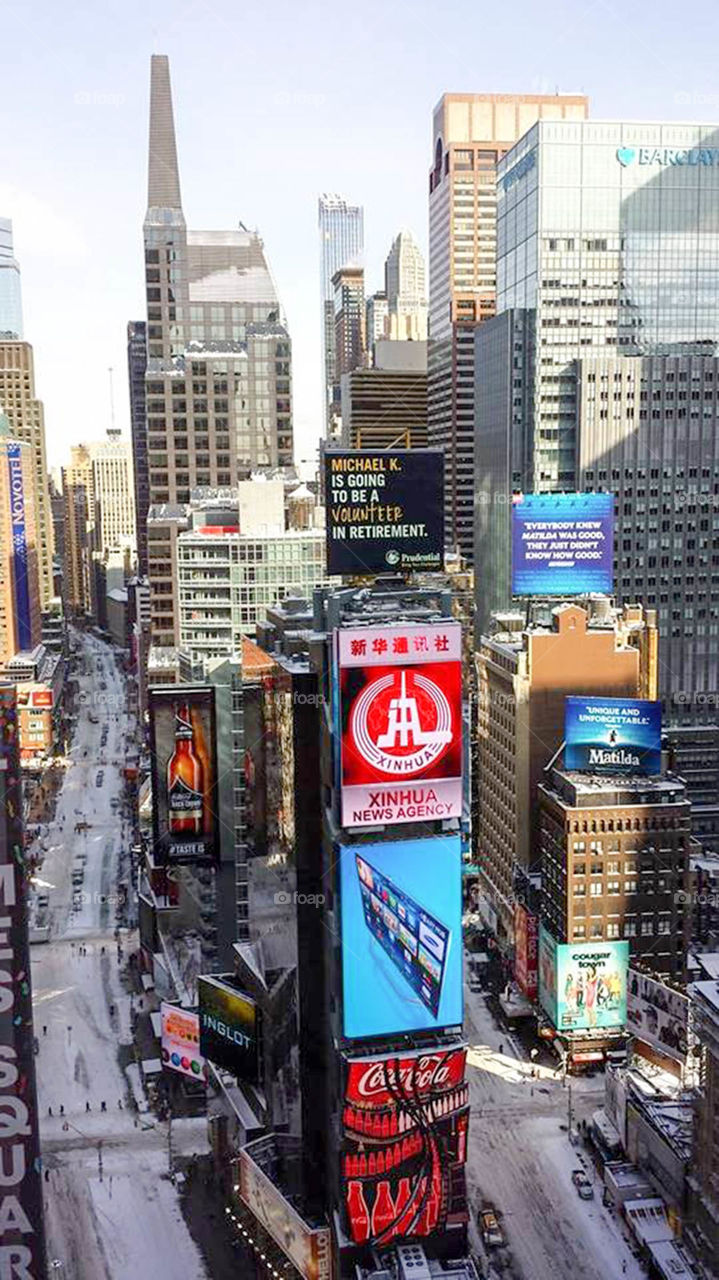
x=23, y=616
x=613, y=735
x=525, y=950
x=385, y=510
x=562, y=544
x=583, y=985
x=181, y=1041
x=228, y=1027
x=22, y=1240
x=658, y=1015
x=400, y=692
x=404, y=1143
x=184, y=774
x=309, y=1249
x=401, y=934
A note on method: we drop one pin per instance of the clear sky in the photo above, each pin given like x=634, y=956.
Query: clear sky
x=275, y=101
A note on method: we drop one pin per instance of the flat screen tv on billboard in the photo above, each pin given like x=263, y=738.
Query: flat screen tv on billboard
x=562, y=544
x=384, y=510
x=583, y=985
x=613, y=735
x=401, y=904
x=228, y=1027
x=400, y=709
x=180, y=1042
x=184, y=774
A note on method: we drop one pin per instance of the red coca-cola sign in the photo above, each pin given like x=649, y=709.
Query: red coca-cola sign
x=380, y=1082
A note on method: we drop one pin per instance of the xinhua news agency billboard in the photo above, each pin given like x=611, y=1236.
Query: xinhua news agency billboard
x=401, y=933
x=562, y=544
x=184, y=774
x=613, y=735
x=384, y=510
x=400, y=709
x=228, y=1027
x=583, y=985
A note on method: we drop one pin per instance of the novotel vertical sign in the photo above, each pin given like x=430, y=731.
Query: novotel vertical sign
x=19, y=546
x=22, y=1240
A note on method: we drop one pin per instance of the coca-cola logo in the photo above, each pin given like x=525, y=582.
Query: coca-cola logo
x=370, y=1081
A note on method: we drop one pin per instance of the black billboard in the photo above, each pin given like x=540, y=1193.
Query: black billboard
x=22, y=1239
x=228, y=1027
x=384, y=510
x=184, y=774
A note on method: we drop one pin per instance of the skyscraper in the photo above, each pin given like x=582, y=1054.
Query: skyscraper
x=27, y=422
x=218, y=377
x=341, y=227
x=136, y=367
x=471, y=132
x=79, y=499
x=406, y=289
x=10, y=296
x=114, y=496
x=350, y=332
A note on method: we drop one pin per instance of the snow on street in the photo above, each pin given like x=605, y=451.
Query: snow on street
x=111, y=1211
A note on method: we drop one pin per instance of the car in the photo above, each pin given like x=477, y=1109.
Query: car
x=492, y=1233
x=99, y=779
x=585, y=1190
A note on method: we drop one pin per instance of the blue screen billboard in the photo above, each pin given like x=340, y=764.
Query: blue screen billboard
x=401, y=936
x=19, y=547
x=562, y=544
x=613, y=735
x=583, y=985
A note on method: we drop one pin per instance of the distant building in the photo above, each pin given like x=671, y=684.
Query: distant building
x=377, y=321
x=341, y=232
x=114, y=494
x=10, y=291
x=386, y=406
x=136, y=367
x=350, y=336
x=20, y=625
x=79, y=506
x=703, y=1230
x=406, y=290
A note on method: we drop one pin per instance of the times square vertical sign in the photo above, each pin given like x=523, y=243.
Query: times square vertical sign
x=22, y=1242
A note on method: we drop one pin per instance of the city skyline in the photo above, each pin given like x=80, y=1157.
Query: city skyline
x=90, y=127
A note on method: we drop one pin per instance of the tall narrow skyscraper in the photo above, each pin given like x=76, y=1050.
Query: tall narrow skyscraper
x=136, y=368
x=341, y=227
x=218, y=376
x=471, y=132
x=406, y=289
x=27, y=422
x=10, y=296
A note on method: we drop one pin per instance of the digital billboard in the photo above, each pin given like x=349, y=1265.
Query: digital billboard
x=562, y=544
x=400, y=694
x=308, y=1248
x=22, y=1240
x=23, y=618
x=525, y=950
x=401, y=936
x=613, y=735
x=657, y=1015
x=404, y=1144
x=228, y=1027
x=583, y=985
x=184, y=774
x=384, y=510
x=180, y=1041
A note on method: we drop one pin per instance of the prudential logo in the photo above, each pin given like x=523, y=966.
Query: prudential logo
x=673, y=156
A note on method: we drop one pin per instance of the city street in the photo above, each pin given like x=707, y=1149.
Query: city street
x=112, y=1212
x=521, y=1161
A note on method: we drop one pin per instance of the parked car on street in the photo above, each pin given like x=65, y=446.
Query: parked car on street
x=492, y=1233
x=585, y=1190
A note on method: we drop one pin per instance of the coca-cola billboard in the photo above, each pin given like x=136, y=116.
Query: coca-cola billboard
x=404, y=1122
x=400, y=706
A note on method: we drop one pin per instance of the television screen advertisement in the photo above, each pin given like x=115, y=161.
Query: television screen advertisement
x=228, y=1027
x=309, y=1249
x=404, y=1144
x=658, y=1016
x=400, y=692
x=184, y=774
x=613, y=735
x=525, y=950
x=562, y=544
x=583, y=985
x=384, y=510
x=401, y=912
x=180, y=1042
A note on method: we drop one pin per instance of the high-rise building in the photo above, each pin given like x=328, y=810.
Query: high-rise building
x=136, y=367
x=10, y=293
x=27, y=422
x=600, y=372
x=341, y=229
x=471, y=132
x=524, y=675
x=350, y=334
x=114, y=494
x=20, y=626
x=385, y=407
x=377, y=321
x=79, y=504
x=406, y=289
x=218, y=377
x=703, y=1182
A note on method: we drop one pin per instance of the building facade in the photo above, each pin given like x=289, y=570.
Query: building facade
x=136, y=368
x=78, y=495
x=471, y=133
x=341, y=232
x=377, y=321
x=704, y=1171
x=10, y=291
x=20, y=623
x=26, y=416
x=350, y=331
x=406, y=290
x=385, y=407
x=114, y=494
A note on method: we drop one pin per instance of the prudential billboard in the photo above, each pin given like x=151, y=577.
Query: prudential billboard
x=562, y=544
x=613, y=735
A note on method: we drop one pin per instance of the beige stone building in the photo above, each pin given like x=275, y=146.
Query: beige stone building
x=26, y=416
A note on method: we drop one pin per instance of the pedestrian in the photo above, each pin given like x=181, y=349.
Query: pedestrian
x=112, y=1011
x=69, y=1032
x=62, y=1109
x=47, y=1175
x=49, y=1111
x=102, y=951
x=103, y=1106
x=87, y=1106
x=501, y=1046
x=44, y=1030
x=624, y=1267
x=119, y=1103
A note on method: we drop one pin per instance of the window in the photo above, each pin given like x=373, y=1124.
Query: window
x=613, y=886
x=612, y=930
x=630, y=928
x=579, y=931
x=580, y=868
x=647, y=928
x=580, y=890
x=595, y=889
x=664, y=926
x=612, y=867
x=630, y=886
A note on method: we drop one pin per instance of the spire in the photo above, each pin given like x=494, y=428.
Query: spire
x=163, y=187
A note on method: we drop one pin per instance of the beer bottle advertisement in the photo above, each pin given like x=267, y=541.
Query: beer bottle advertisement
x=184, y=774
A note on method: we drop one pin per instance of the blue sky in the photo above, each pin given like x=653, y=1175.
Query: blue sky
x=274, y=102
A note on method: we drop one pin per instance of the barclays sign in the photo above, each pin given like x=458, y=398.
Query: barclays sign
x=667, y=156
x=518, y=171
